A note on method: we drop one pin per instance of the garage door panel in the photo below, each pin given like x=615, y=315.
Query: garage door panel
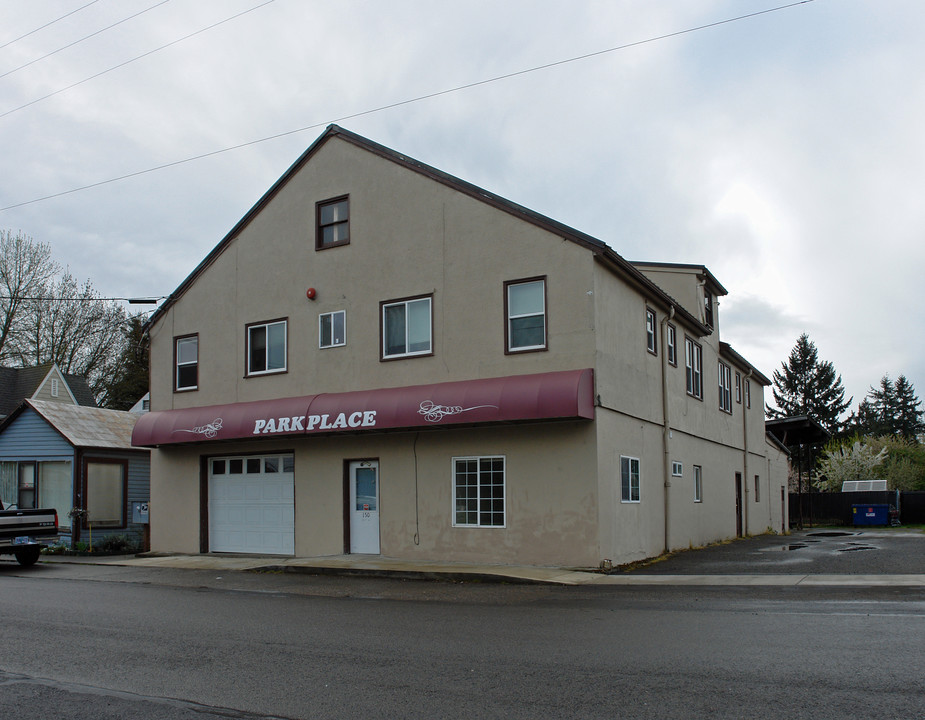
x=253, y=512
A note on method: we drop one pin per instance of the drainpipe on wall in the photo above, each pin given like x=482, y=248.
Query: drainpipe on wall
x=745, y=453
x=666, y=426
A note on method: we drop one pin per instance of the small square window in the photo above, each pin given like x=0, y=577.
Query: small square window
x=253, y=466
x=333, y=223
x=271, y=465
x=218, y=467
x=332, y=329
x=677, y=470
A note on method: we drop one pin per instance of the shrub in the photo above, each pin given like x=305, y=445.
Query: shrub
x=116, y=544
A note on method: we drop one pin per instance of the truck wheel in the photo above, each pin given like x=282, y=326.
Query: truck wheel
x=28, y=556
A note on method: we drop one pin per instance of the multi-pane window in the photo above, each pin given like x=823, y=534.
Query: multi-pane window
x=478, y=492
x=406, y=328
x=266, y=347
x=629, y=479
x=698, y=484
x=672, y=344
x=724, y=375
x=651, y=335
x=333, y=223
x=694, y=372
x=187, y=367
x=332, y=329
x=526, y=315
x=677, y=469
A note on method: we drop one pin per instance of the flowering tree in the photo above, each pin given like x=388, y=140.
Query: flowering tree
x=843, y=462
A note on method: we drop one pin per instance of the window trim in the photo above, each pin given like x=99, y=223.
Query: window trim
x=508, y=284
x=724, y=383
x=651, y=331
x=672, y=344
x=698, y=483
x=677, y=469
x=693, y=376
x=628, y=496
x=319, y=228
x=382, y=333
x=247, y=348
x=176, y=363
x=478, y=499
x=321, y=316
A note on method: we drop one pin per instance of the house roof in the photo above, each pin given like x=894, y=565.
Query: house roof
x=700, y=270
x=797, y=430
x=726, y=351
x=17, y=384
x=84, y=427
x=612, y=260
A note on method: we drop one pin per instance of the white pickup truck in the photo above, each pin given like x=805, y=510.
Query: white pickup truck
x=25, y=532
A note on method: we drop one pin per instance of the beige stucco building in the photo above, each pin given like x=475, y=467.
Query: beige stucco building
x=382, y=358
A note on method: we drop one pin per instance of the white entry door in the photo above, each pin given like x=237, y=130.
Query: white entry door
x=364, y=507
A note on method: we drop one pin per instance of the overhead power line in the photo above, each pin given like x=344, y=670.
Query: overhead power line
x=42, y=27
x=131, y=60
x=409, y=101
x=86, y=37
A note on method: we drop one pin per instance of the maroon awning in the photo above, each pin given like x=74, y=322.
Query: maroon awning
x=566, y=395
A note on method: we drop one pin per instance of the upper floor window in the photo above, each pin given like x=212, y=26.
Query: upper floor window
x=748, y=393
x=738, y=387
x=266, y=347
x=333, y=223
x=707, y=308
x=629, y=479
x=525, y=302
x=693, y=354
x=672, y=344
x=406, y=328
x=725, y=387
x=332, y=329
x=698, y=484
x=651, y=335
x=186, y=370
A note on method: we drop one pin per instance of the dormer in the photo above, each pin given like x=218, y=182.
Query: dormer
x=692, y=286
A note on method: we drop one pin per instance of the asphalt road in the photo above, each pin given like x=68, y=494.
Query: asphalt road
x=83, y=641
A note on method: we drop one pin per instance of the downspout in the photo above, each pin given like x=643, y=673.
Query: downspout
x=745, y=453
x=666, y=426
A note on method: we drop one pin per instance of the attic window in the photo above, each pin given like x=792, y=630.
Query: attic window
x=332, y=223
x=707, y=307
x=54, y=387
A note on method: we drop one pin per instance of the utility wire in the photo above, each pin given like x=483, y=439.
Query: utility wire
x=401, y=103
x=32, y=32
x=86, y=37
x=139, y=57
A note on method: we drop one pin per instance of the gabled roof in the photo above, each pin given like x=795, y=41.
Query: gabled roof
x=17, y=384
x=601, y=250
x=83, y=427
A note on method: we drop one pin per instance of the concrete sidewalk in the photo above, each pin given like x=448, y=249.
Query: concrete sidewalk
x=385, y=567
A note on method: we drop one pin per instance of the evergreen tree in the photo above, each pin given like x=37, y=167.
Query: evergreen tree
x=808, y=386
x=909, y=422
x=130, y=381
x=881, y=409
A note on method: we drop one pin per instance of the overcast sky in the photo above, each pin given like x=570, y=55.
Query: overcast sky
x=785, y=151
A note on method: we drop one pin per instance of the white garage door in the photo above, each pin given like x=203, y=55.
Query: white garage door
x=251, y=505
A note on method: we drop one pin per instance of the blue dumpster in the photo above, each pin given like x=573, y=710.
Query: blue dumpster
x=870, y=514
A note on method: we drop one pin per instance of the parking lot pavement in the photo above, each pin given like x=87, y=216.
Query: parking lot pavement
x=819, y=551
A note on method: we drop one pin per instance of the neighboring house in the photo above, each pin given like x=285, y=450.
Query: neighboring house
x=45, y=382
x=382, y=358
x=143, y=405
x=55, y=455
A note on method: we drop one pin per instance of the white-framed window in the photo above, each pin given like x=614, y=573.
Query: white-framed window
x=738, y=387
x=629, y=479
x=757, y=488
x=525, y=308
x=406, y=328
x=748, y=393
x=693, y=357
x=332, y=329
x=724, y=376
x=266, y=348
x=651, y=331
x=677, y=469
x=478, y=491
x=672, y=344
x=54, y=387
x=186, y=371
x=698, y=484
